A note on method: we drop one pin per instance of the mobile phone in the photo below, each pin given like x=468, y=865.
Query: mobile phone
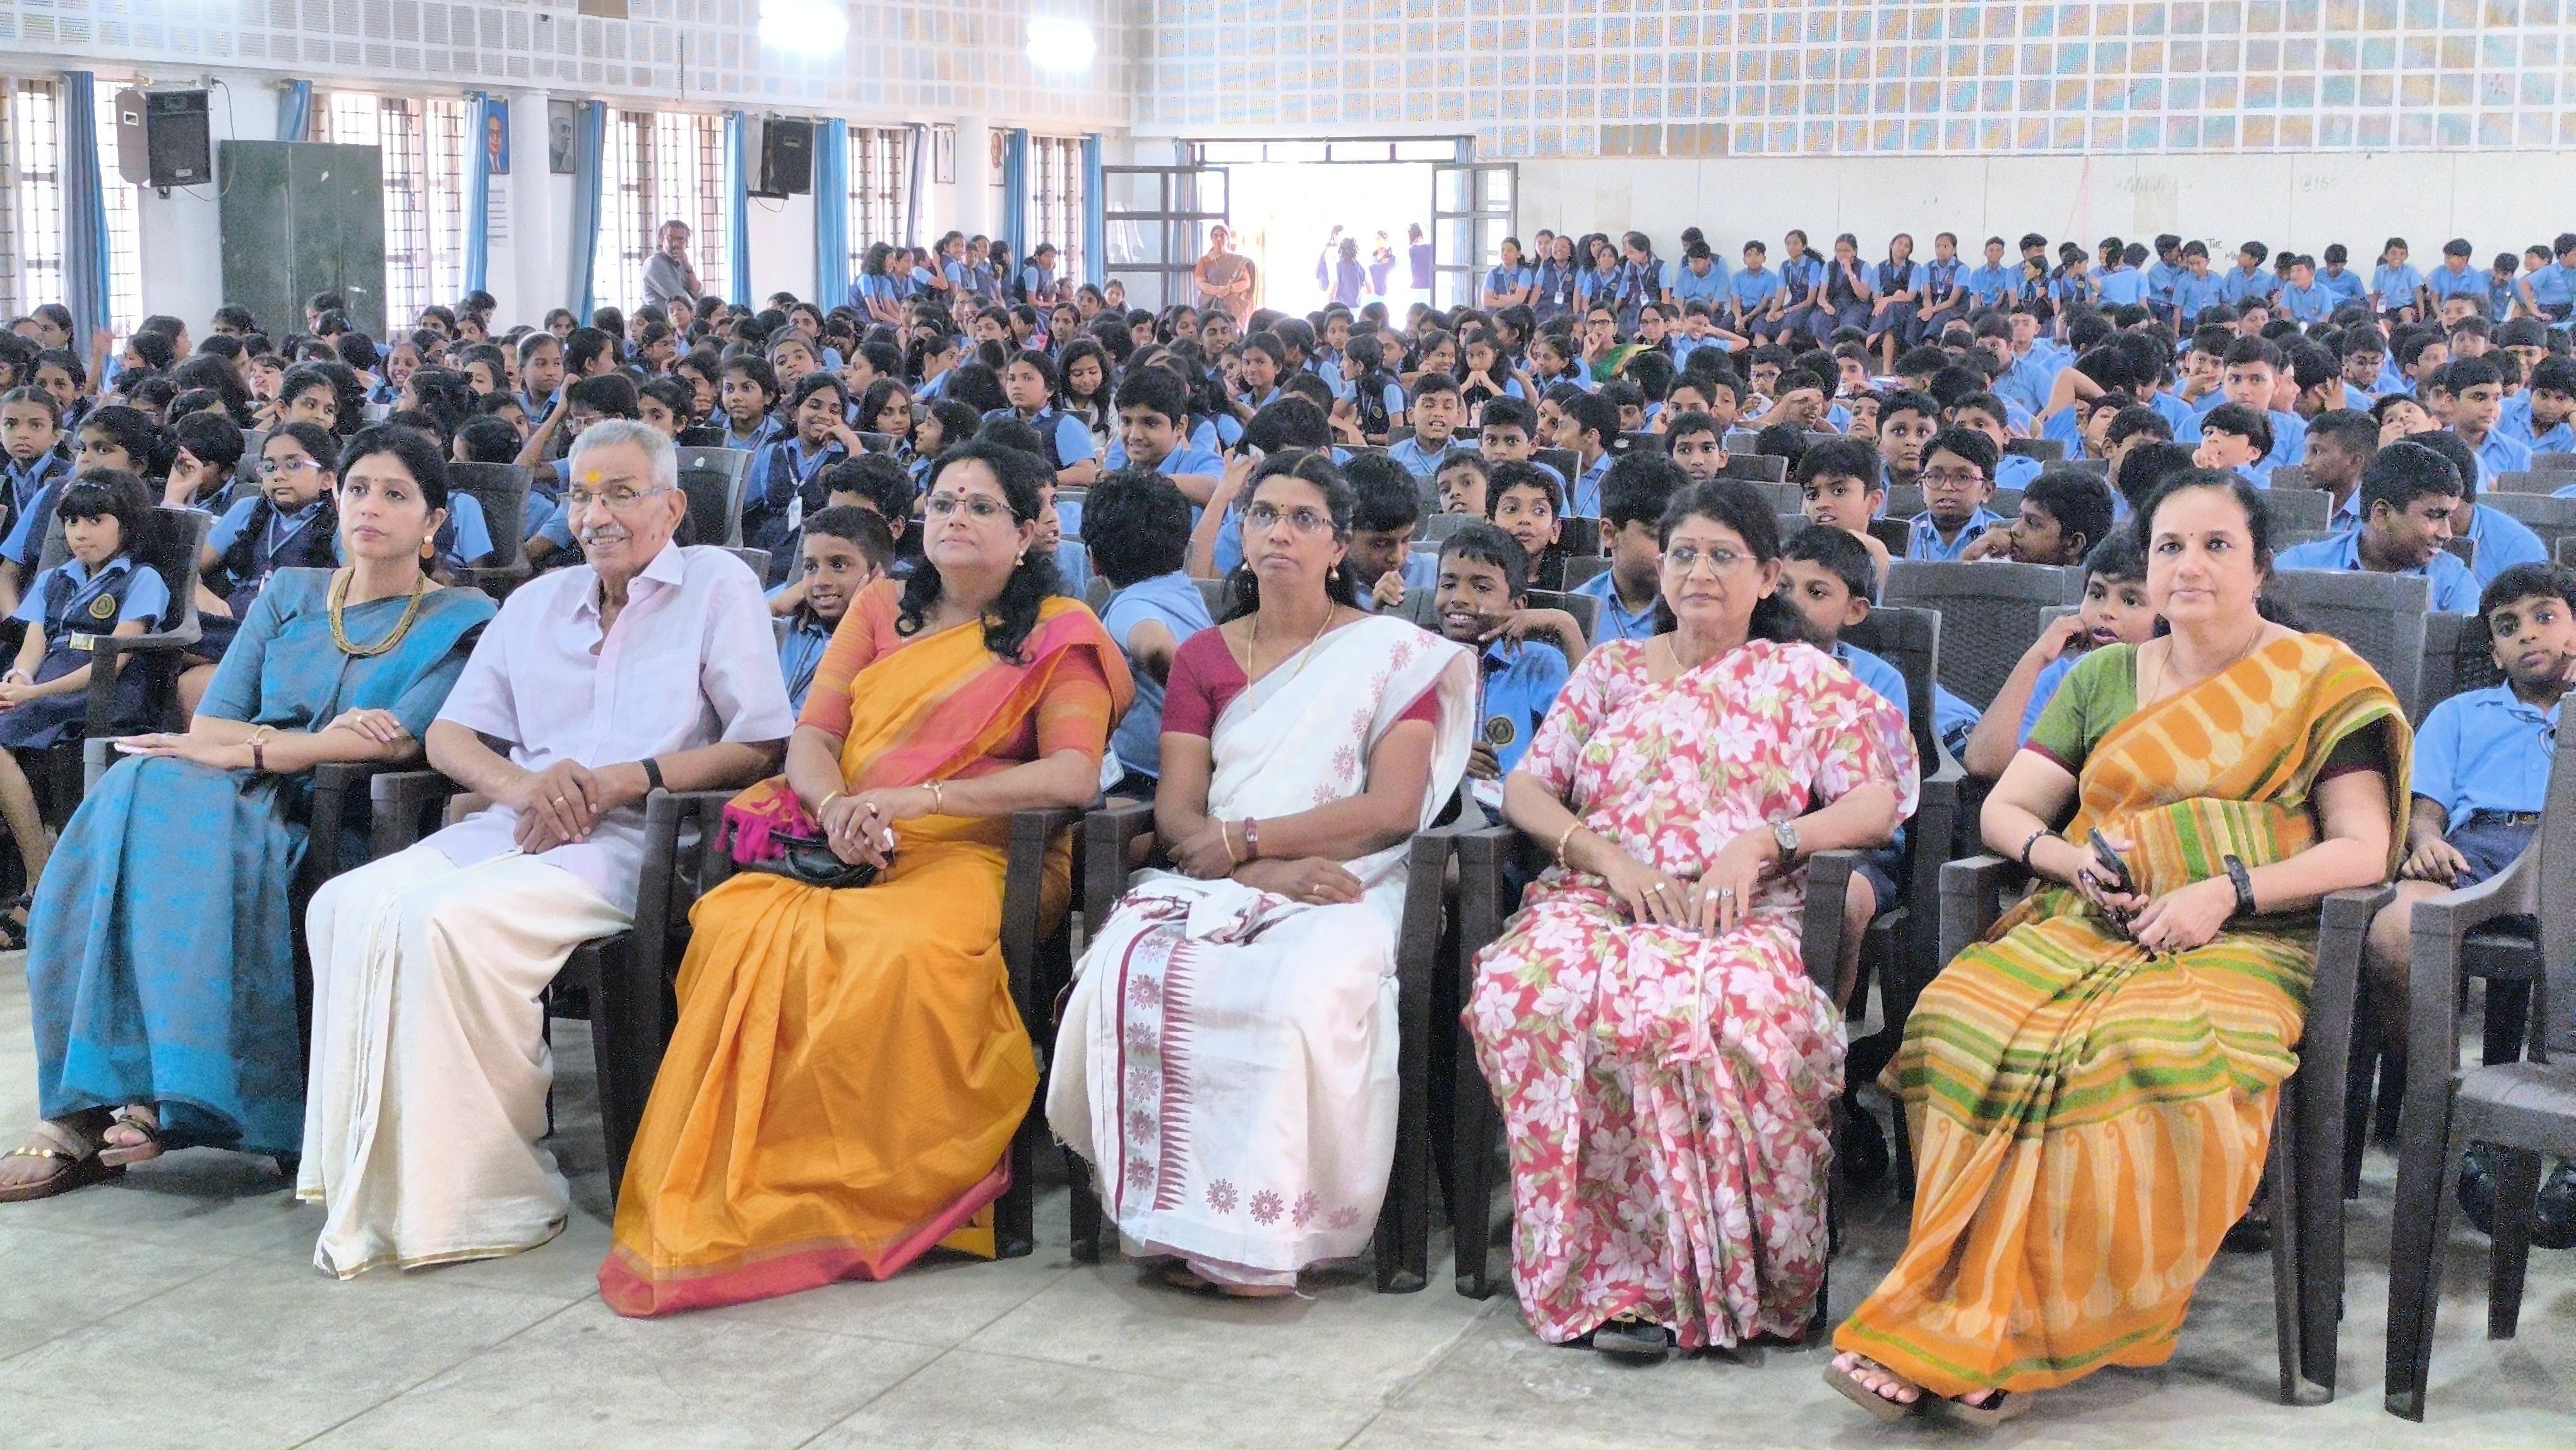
x=2117, y=869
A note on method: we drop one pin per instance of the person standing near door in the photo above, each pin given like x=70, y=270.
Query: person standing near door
x=1224, y=277
x=1418, y=256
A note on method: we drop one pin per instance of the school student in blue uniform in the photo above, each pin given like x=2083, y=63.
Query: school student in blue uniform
x=2408, y=493
x=785, y=481
x=31, y=438
x=2501, y=540
x=1481, y=600
x=1633, y=497
x=1030, y=383
x=1749, y=292
x=288, y=524
x=1438, y=411
x=1384, y=519
x=1140, y=523
x=2304, y=301
x=2538, y=416
x=1958, y=479
x=842, y=552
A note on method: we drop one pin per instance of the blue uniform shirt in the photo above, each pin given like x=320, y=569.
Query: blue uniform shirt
x=2455, y=589
x=146, y=599
x=2503, y=541
x=1504, y=281
x=2195, y=293
x=2239, y=283
x=1991, y=285
x=1415, y=459
x=1753, y=288
x=2043, y=690
x=2307, y=306
x=1885, y=679
x=2485, y=751
x=1953, y=720
x=1174, y=601
x=2121, y=286
x=1583, y=499
x=1688, y=287
x=2444, y=284
x=2552, y=286
x=2342, y=284
x=1518, y=682
x=1923, y=537
x=1616, y=622
x=801, y=652
x=2394, y=287
x=2500, y=454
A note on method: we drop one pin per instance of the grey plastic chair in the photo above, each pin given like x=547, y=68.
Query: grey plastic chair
x=2525, y=1109
x=501, y=490
x=713, y=478
x=1990, y=613
x=2526, y=480
x=1756, y=467
x=2309, y=509
x=2547, y=515
x=2380, y=615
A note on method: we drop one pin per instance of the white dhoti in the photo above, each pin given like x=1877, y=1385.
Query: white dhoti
x=427, y=1090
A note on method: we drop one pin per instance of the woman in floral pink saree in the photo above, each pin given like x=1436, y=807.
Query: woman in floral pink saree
x=1664, y=1066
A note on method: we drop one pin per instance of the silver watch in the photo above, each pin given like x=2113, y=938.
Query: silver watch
x=1784, y=833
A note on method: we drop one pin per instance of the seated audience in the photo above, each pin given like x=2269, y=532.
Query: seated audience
x=1483, y=604
x=426, y=1092
x=135, y=1054
x=1958, y=481
x=1590, y=1014
x=1633, y=499
x=2408, y=493
x=2114, y=611
x=1140, y=539
x=843, y=551
x=1304, y=742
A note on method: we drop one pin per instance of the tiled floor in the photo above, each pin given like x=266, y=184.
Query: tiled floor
x=180, y=1306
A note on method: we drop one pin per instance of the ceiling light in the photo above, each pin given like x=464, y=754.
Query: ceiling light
x=1060, y=45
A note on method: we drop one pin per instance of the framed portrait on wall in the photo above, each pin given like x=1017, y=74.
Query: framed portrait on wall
x=943, y=154
x=496, y=137
x=559, y=128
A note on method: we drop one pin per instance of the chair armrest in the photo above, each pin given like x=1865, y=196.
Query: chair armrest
x=96, y=756
x=1820, y=927
x=1107, y=833
x=399, y=798
x=333, y=782
x=99, y=696
x=2441, y=928
x=1023, y=910
x=2343, y=922
x=1968, y=892
x=1482, y=854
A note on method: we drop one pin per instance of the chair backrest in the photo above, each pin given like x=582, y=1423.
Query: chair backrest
x=1647, y=443
x=1418, y=608
x=713, y=478
x=1585, y=609
x=1904, y=500
x=1993, y=612
x=2463, y=548
x=2287, y=478
x=2309, y=510
x=2458, y=657
x=502, y=491
x=2098, y=467
x=2046, y=450
x=1579, y=536
x=1438, y=529
x=2550, y=517
x=756, y=560
x=2557, y=896
x=1909, y=639
x=1096, y=594
x=2380, y=615
x=1756, y=468
x=1562, y=460
x=1741, y=440
x=2006, y=501
x=2526, y=480
x=1582, y=571
x=1893, y=534
x=2553, y=463
x=1212, y=594
x=877, y=442
x=2567, y=550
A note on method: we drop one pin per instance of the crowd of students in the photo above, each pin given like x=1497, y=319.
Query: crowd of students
x=1575, y=419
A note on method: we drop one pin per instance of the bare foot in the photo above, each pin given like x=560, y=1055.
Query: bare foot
x=1878, y=1379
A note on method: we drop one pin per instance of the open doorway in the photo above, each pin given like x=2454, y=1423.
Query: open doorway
x=1294, y=202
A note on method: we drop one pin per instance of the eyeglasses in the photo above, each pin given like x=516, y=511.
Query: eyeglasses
x=978, y=507
x=271, y=467
x=1685, y=559
x=1953, y=477
x=1303, y=520
x=615, y=500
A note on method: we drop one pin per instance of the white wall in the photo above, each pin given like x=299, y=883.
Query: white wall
x=2499, y=201
x=181, y=234
x=782, y=246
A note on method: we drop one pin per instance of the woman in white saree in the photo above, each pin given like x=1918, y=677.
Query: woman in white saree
x=1227, y=1057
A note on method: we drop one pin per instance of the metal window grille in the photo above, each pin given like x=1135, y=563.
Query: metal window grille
x=1055, y=200
x=684, y=180
x=36, y=176
x=625, y=201
x=124, y=226
x=879, y=174
x=447, y=195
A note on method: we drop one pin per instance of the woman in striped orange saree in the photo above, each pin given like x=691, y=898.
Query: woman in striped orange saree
x=849, y=1069
x=2091, y=1091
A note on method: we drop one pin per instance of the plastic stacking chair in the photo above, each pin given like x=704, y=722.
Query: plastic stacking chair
x=170, y=543
x=2521, y=1109
x=713, y=479
x=1991, y=613
x=501, y=489
x=1403, y=1240
x=2382, y=616
x=2304, y=1170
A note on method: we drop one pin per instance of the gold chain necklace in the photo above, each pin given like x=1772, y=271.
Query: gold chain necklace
x=402, y=626
x=1253, y=655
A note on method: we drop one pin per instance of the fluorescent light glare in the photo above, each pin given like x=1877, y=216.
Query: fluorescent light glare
x=1060, y=45
x=804, y=27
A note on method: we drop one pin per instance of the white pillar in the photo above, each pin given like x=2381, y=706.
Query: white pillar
x=525, y=269
x=970, y=206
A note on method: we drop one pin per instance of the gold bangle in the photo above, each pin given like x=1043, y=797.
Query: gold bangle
x=1226, y=839
x=825, y=805
x=936, y=808
x=1567, y=835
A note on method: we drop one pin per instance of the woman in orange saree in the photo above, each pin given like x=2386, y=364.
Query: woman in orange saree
x=2091, y=1090
x=849, y=1069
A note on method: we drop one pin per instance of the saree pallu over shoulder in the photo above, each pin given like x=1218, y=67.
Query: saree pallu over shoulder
x=848, y=1068
x=2090, y=1119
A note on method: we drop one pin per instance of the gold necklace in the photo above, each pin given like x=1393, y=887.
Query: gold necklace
x=1330, y=609
x=402, y=626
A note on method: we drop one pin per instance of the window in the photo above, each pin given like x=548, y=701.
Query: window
x=1055, y=200
x=450, y=190
x=124, y=225
x=394, y=126
x=36, y=175
x=688, y=185
x=880, y=176
x=625, y=200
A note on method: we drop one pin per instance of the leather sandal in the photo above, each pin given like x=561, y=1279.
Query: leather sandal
x=140, y=1118
x=80, y=1170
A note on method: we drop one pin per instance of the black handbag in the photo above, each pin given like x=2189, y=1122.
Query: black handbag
x=809, y=861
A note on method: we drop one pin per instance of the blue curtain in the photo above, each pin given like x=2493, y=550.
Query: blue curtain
x=294, y=110
x=589, y=131
x=478, y=188
x=85, y=264
x=1095, y=214
x=920, y=152
x=1015, y=200
x=832, y=215
x=737, y=214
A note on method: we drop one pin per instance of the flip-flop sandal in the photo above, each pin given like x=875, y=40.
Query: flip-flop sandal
x=1887, y=1410
x=143, y=1152
x=2004, y=1407
x=1633, y=1339
x=84, y=1170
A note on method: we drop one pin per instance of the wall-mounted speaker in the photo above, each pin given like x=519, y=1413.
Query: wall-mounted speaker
x=786, y=158
x=175, y=133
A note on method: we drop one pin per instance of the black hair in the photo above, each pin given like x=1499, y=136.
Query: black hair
x=1593, y=413
x=1137, y=523
x=37, y=397
x=757, y=369
x=209, y=437
x=673, y=393
x=1969, y=444
x=2117, y=557
x=1385, y=497
x=877, y=478
x=1009, y=432
x=1045, y=368
x=2349, y=427
x=2455, y=451
x=1156, y=390
x=132, y=430
x=1779, y=440
x=304, y=378
x=487, y=439
x=2080, y=502
x=110, y=493
x=1341, y=585
x=979, y=386
x=2523, y=581
x=153, y=349
x=1508, y=476
x=2145, y=468
x=1483, y=543
x=1013, y=614
x=1839, y=553
x=858, y=526
x=1288, y=423
x=1509, y=412
x=1739, y=506
x=1842, y=458
x=812, y=383
x=1639, y=487
x=2462, y=374
x=2242, y=421
x=313, y=439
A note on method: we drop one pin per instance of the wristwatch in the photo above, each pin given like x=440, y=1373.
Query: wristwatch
x=1784, y=834
x=2243, y=881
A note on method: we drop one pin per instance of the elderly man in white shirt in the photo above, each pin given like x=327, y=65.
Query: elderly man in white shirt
x=652, y=665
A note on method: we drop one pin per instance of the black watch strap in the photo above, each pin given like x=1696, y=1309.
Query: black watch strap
x=2243, y=880
x=652, y=774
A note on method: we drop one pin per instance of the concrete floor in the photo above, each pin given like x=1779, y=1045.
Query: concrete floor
x=180, y=1306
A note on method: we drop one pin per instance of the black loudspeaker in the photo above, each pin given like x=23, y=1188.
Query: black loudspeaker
x=174, y=133
x=786, y=158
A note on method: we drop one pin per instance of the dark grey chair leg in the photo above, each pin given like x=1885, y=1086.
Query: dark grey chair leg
x=1471, y=1215
x=2413, y=1249
x=1086, y=1209
x=2517, y=1194
x=2405, y=1397
x=2279, y=1177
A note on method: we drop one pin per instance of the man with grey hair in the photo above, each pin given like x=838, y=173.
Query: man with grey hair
x=648, y=665
x=669, y=273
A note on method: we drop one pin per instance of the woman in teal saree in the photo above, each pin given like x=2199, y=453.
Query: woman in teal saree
x=161, y=948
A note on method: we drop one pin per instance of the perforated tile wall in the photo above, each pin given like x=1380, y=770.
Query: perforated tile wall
x=907, y=58
x=1791, y=77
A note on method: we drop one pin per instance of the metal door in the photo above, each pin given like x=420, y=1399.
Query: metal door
x=1473, y=207
x=1156, y=220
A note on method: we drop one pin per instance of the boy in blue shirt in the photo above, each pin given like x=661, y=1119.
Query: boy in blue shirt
x=844, y=550
x=1438, y=410
x=2468, y=394
x=2408, y=494
x=1153, y=430
x=2115, y=611
x=1958, y=478
x=1700, y=278
x=2454, y=278
x=2481, y=767
x=1140, y=525
x=1591, y=425
x=2501, y=540
x=1992, y=284
x=2236, y=439
x=2247, y=281
x=2303, y=301
x=2340, y=281
x=2195, y=288
x=1632, y=510
x=2539, y=416
x=1380, y=555
x=1749, y=294
x=1481, y=601
x=2118, y=284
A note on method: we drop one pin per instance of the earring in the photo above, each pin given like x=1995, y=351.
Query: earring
x=429, y=550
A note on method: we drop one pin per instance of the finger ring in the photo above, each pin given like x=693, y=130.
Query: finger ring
x=559, y=802
x=1726, y=892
